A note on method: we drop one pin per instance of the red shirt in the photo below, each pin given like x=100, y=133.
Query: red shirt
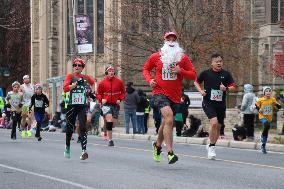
x=170, y=88
x=111, y=89
x=69, y=78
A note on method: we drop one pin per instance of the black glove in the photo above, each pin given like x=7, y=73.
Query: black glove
x=20, y=105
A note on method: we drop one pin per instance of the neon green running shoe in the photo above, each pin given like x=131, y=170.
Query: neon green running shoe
x=156, y=152
x=29, y=133
x=67, y=152
x=172, y=158
x=24, y=134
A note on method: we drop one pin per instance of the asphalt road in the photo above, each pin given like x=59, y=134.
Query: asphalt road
x=27, y=163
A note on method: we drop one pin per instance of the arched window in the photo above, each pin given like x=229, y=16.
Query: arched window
x=100, y=26
x=275, y=16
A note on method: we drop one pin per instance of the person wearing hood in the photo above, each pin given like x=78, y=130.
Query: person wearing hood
x=130, y=106
x=248, y=102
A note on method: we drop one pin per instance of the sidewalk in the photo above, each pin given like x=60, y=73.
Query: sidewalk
x=119, y=132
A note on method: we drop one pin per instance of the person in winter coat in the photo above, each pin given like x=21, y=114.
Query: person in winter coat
x=140, y=111
x=247, y=109
x=130, y=105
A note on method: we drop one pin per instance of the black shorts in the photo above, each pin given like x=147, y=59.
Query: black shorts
x=112, y=109
x=214, y=110
x=159, y=101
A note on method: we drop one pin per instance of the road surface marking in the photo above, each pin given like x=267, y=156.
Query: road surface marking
x=46, y=176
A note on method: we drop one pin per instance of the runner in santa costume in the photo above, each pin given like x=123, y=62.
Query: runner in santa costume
x=171, y=66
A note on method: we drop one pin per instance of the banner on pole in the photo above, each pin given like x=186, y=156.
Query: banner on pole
x=84, y=34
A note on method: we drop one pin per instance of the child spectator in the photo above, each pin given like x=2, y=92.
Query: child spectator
x=2, y=121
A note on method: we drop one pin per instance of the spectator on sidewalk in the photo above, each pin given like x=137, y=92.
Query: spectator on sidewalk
x=130, y=106
x=185, y=102
x=2, y=103
x=140, y=112
x=248, y=103
x=156, y=116
x=146, y=114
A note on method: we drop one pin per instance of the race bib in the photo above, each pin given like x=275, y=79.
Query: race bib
x=78, y=98
x=38, y=103
x=216, y=95
x=15, y=102
x=267, y=110
x=167, y=75
x=105, y=109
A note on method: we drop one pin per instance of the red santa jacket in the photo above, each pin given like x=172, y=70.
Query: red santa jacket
x=170, y=88
x=111, y=89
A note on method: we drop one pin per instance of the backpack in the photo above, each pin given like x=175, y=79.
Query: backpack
x=252, y=107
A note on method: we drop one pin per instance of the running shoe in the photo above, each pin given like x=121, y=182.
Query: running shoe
x=211, y=152
x=172, y=158
x=156, y=152
x=67, y=152
x=263, y=149
x=29, y=133
x=24, y=134
x=13, y=138
x=39, y=138
x=110, y=143
x=84, y=155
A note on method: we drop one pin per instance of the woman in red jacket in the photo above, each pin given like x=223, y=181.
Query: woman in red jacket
x=110, y=93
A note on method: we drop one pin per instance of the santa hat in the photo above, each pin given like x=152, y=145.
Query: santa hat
x=265, y=88
x=80, y=61
x=38, y=86
x=170, y=34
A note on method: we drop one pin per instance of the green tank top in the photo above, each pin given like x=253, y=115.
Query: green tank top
x=78, y=94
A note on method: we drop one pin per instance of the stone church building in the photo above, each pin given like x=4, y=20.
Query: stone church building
x=53, y=39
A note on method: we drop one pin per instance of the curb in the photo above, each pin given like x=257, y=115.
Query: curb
x=203, y=141
x=242, y=145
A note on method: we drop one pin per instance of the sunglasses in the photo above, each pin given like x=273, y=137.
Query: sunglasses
x=77, y=65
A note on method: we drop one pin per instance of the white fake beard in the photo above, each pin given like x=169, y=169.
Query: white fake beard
x=170, y=55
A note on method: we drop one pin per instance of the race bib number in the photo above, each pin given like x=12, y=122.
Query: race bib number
x=216, y=95
x=78, y=98
x=167, y=75
x=38, y=103
x=267, y=110
x=105, y=109
x=15, y=102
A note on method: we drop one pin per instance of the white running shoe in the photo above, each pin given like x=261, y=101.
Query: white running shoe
x=211, y=152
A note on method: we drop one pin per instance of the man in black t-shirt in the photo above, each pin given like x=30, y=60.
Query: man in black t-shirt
x=216, y=84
